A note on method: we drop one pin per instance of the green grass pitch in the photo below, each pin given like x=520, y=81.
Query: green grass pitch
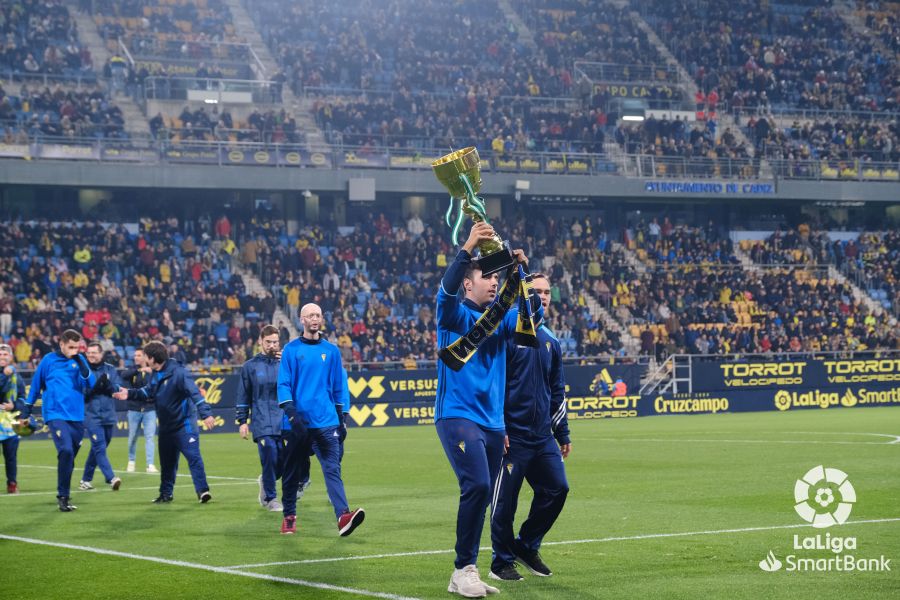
x=699, y=477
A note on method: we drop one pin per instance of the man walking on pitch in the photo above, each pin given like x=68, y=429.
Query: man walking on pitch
x=178, y=400
x=469, y=405
x=257, y=400
x=100, y=418
x=310, y=389
x=61, y=379
x=535, y=414
x=141, y=413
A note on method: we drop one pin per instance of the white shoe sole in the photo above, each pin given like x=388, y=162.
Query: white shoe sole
x=455, y=590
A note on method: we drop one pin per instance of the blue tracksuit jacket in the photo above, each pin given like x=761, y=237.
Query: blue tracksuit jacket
x=178, y=399
x=257, y=397
x=476, y=391
x=59, y=383
x=535, y=404
x=100, y=407
x=311, y=376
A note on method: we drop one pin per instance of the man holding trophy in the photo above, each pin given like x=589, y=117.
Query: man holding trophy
x=472, y=334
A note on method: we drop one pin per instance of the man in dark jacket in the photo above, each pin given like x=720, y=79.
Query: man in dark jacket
x=257, y=400
x=100, y=418
x=538, y=432
x=141, y=413
x=178, y=400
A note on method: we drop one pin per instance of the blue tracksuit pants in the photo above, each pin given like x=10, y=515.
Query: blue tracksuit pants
x=100, y=436
x=475, y=455
x=170, y=446
x=540, y=464
x=67, y=437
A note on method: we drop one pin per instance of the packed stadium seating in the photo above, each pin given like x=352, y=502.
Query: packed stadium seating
x=790, y=54
x=61, y=112
x=41, y=38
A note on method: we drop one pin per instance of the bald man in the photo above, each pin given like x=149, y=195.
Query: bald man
x=310, y=391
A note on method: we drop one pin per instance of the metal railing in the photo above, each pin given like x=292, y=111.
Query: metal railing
x=10, y=77
x=782, y=115
x=344, y=93
x=599, y=72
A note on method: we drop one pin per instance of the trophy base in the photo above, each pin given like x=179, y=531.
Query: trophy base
x=496, y=261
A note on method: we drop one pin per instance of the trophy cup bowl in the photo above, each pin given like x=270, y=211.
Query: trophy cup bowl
x=453, y=170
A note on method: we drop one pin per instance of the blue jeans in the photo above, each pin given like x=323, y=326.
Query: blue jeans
x=146, y=420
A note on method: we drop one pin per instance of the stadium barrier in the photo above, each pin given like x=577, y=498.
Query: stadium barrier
x=381, y=398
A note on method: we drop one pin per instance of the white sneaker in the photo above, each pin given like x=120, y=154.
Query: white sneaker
x=274, y=506
x=152, y=469
x=115, y=484
x=85, y=485
x=262, y=491
x=467, y=583
x=130, y=467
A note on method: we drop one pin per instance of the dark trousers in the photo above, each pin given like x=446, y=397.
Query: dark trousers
x=475, y=455
x=170, y=445
x=326, y=445
x=271, y=458
x=100, y=436
x=10, y=449
x=540, y=464
x=67, y=437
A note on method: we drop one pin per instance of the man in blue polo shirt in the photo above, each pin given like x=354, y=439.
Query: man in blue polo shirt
x=469, y=404
x=61, y=380
x=310, y=391
x=538, y=430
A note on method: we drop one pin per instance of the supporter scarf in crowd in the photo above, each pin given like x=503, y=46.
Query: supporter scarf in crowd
x=517, y=287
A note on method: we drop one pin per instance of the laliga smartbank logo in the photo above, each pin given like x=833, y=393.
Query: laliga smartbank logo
x=823, y=497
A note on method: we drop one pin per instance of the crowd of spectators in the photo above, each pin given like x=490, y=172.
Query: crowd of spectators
x=838, y=138
x=376, y=281
x=268, y=127
x=34, y=111
x=124, y=286
x=40, y=38
x=191, y=29
x=790, y=54
x=701, y=301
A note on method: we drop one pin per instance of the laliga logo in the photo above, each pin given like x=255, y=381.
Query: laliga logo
x=815, y=499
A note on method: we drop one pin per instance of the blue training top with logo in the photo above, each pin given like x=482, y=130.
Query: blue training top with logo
x=476, y=391
x=311, y=376
x=59, y=383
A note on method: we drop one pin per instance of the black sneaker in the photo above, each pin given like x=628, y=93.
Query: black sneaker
x=204, y=497
x=64, y=504
x=506, y=572
x=532, y=561
x=163, y=499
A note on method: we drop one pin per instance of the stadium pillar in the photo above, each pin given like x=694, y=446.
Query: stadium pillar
x=311, y=207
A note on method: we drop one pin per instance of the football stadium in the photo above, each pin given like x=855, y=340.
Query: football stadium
x=427, y=299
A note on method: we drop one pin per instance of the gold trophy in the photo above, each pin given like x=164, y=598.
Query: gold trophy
x=460, y=173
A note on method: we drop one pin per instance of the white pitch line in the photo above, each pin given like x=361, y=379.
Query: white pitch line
x=123, y=489
x=223, y=570
x=728, y=441
x=647, y=536
x=154, y=474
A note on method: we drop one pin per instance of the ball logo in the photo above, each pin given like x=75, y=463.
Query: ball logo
x=783, y=400
x=824, y=497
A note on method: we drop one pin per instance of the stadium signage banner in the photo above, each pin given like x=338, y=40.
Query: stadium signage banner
x=679, y=188
x=876, y=373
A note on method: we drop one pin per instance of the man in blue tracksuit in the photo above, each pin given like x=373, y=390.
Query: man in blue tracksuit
x=310, y=391
x=538, y=430
x=61, y=379
x=100, y=418
x=12, y=397
x=178, y=400
x=469, y=404
x=257, y=400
